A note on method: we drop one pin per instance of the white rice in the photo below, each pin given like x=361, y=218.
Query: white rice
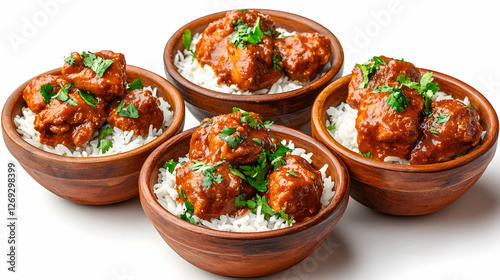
x=249, y=222
x=123, y=141
x=205, y=77
x=344, y=118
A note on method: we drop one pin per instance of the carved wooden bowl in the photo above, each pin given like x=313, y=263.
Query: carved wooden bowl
x=410, y=189
x=91, y=180
x=290, y=108
x=244, y=254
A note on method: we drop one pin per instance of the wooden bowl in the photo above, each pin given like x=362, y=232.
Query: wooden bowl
x=292, y=108
x=244, y=254
x=410, y=189
x=91, y=180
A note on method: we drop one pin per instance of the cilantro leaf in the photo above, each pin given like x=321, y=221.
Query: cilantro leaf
x=170, y=165
x=292, y=173
x=88, y=98
x=433, y=130
x=63, y=95
x=226, y=131
x=207, y=170
x=368, y=154
x=245, y=34
x=441, y=118
x=187, y=40
x=129, y=112
x=102, y=144
x=96, y=63
x=136, y=84
x=332, y=127
x=236, y=172
x=47, y=91
x=425, y=88
x=276, y=62
x=69, y=59
x=239, y=201
x=368, y=69
x=396, y=99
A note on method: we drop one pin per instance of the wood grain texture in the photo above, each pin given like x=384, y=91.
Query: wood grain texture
x=290, y=108
x=410, y=189
x=92, y=180
x=244, y=254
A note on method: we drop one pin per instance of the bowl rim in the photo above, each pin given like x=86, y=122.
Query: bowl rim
x=147, y=196
x=337, y=62
x=317, y=122
x=9, y=128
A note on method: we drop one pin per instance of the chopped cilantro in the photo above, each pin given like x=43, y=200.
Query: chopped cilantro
x=63, y=95
x=332, y=127
x=244, y=34
x=368, y=68
x=261, y=201
x=226, y=131
x=396, y=99
x=88, y=98
x=239, y=201
x=368, y=154
x=47, y=91
x=207, y=170
x=69, y=59
x=470, y=106
x=292, y=173
x=170, y=165
x=236, y=172
x=136, y=84
x=425, y=88
x=187, y=40
x=433, y=130
x=188, y=214
x=441, y=118
x=96, y=63
x=129, y=112
x=276, y=62
x=102, y=144
x=232, y=141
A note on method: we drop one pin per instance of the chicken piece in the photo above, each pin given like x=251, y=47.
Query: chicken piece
x=110, y=85
x=295, y=188
x=304, y=55
x=32, y=93
x=249, y=66
x=228, y=137
x=211, y=188
x=148, y=112
x=386, y=74
x=451, y=130
x=382, y=131
x=69, y=125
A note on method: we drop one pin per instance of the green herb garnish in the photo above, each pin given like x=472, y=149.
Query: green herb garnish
x=96, y=63
x=292, y=173
x=102, y=144
x=441, y=118
x=245, y=34
x=276, y=62
x=188, y=214
x=368, y=68
x=170, y=165
x=433, y=130
x=266, y=210
x=47, y=91
x=88, y=98
x=425, y=88
x=368, y=154
x=232, y=141
x=63, y=95
x=187, y=40
x=136, y=84
x=332, y=127
x=396, y=99
x=69, y=59
x=207, y=170
x=129, y=112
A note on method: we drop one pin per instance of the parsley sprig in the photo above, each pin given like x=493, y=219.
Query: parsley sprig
x=368, y=68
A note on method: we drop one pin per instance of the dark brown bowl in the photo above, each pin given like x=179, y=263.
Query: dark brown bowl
x=292, y=108
x=92, y=180
x=244, y=254
x=410, y=189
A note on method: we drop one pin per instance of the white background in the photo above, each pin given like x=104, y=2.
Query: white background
x=58, y=239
